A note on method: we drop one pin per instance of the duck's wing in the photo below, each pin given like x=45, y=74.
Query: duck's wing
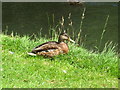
x=50, y=52
x=46, y=47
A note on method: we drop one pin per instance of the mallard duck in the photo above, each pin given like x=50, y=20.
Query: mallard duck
x=53, y=48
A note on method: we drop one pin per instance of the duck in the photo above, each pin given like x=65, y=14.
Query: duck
x=53, y=48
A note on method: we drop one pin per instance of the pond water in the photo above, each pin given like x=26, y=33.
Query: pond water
x=35, y=17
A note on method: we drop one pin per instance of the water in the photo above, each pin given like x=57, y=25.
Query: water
x=28, y=18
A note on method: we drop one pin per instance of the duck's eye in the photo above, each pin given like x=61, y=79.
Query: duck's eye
x=66, y=35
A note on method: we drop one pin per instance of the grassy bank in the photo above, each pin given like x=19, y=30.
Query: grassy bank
x=79, y=68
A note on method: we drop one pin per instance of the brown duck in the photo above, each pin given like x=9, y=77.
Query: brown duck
x=52, y=48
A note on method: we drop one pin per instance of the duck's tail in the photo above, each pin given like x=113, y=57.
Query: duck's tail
x=32, y=54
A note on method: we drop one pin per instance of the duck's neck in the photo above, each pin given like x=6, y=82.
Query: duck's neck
x=60, y=40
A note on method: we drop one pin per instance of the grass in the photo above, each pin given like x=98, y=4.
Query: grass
x=79, y=68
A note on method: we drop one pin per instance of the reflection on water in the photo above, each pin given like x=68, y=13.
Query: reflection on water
x=29, y=18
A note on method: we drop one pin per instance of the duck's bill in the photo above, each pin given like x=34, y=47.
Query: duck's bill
x=71, y=40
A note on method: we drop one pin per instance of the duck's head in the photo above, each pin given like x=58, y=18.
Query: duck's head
x=64, y=37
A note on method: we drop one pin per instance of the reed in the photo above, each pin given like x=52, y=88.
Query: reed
x=104, y=30
x=48, y=23
x=70, y=24
x=80, y=28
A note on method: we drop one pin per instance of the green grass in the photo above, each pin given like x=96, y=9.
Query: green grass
x=79, y=68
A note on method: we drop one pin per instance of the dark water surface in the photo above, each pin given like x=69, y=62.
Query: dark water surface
x=28, y=18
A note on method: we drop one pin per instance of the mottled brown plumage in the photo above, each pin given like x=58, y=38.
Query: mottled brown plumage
x=52, y=48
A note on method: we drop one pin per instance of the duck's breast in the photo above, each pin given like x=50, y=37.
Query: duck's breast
x=64, y=47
